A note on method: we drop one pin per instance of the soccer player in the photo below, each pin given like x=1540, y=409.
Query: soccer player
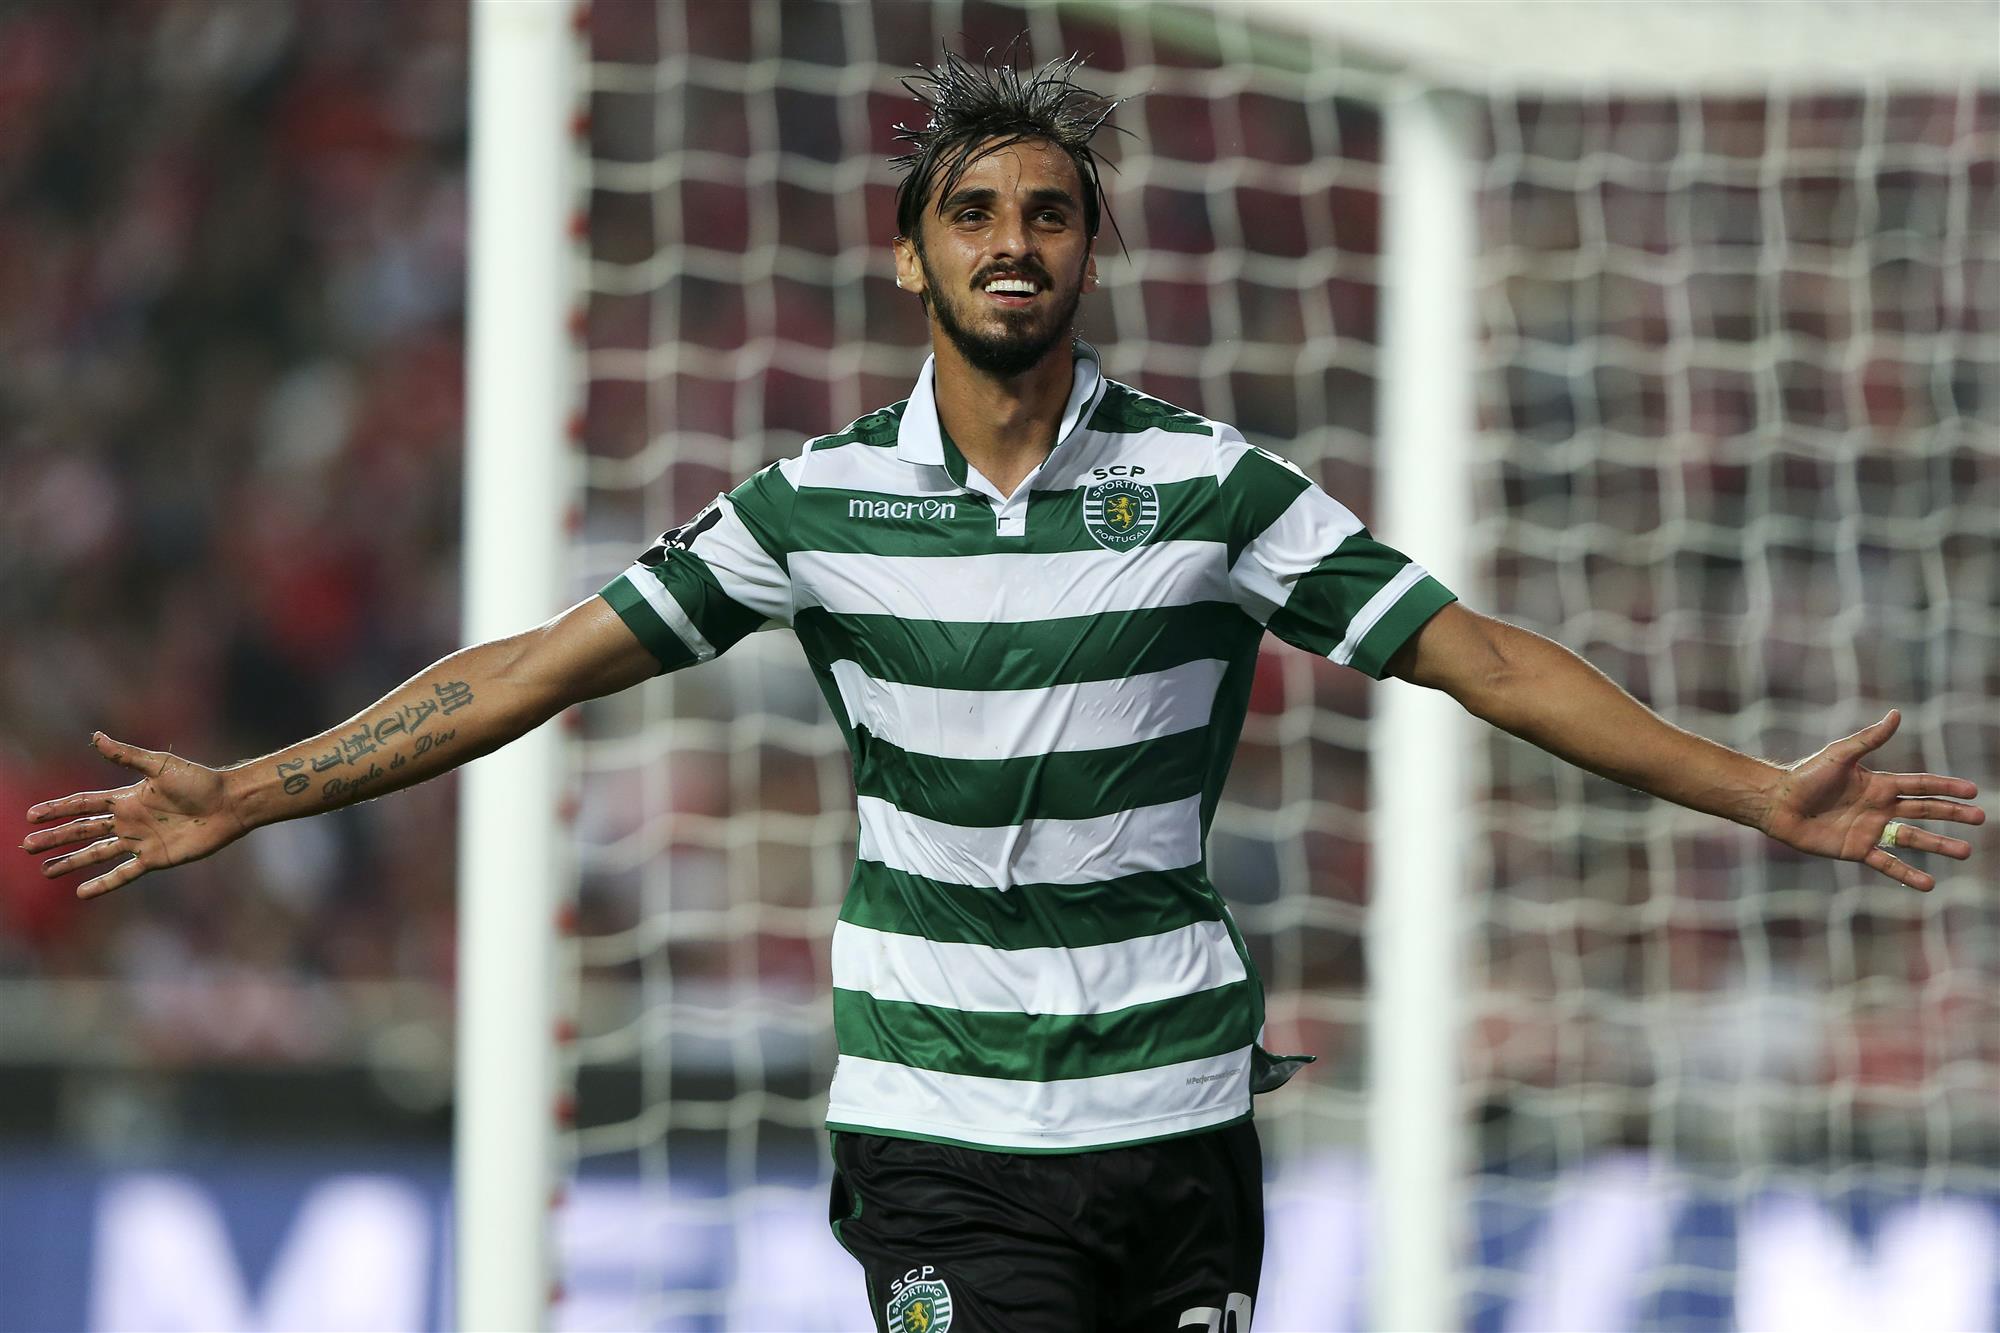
x=1033, y=598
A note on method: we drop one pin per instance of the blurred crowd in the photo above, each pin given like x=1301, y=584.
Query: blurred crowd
x=231, y=268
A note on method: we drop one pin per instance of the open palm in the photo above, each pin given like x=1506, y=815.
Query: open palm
x=177, y=812
x=1829, y=805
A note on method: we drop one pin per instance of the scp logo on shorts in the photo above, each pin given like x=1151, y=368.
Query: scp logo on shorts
x=919, y=1303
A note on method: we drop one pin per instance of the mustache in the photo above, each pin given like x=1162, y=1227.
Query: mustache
x=1030, y=270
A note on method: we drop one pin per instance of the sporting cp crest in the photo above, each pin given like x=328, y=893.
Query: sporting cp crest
x=922, y=1304
x=1119, y=514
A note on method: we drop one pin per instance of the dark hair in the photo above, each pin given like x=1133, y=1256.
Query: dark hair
x=974, y=108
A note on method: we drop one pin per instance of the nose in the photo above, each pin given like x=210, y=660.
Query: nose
x=1012, y=236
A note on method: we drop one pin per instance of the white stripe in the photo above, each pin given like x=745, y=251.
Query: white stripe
x=872, y=468
x=1231, y=449
x=647, y=585
x=1092, y=979
x=1041, y=851
x=743, y=568
x=1015, y=724
x=1309, y=531
x=1374, y=609
x=1012, y=588
x=1151, y=457
x=1021, y=1113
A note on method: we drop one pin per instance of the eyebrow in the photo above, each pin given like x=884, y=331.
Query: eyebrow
x=985, y=194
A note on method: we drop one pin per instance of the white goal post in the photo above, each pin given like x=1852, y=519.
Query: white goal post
x=1599, y=375
x=520, y=483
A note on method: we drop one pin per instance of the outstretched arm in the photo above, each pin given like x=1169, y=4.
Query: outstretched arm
x=1826, y=803
x=464, y=706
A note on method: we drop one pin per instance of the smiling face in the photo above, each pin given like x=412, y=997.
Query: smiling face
x=1003, y=258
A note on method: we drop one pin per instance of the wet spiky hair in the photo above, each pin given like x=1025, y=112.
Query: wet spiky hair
x=974, y=109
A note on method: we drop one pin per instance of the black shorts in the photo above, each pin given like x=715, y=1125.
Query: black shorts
x=1150, y=1239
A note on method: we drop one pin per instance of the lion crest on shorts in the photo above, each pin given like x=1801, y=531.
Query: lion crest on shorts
x=923, y=1306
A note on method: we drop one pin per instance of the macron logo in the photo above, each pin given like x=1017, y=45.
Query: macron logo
x=931, y=509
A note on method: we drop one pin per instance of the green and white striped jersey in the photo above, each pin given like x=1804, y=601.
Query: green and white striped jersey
x=1041, y=694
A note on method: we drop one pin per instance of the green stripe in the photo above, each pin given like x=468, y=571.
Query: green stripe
x=645, y=623
x=1012, y=1150
x=879, y=428
x=996, y=793
x=687, y=578
x=1027, y=655
x=1044, y=1047
x=1225, y=726
x=820, y=522
x=1425, y=598
x=764, y=504
x=1123, y=410
x=1327, y=597
x=1255, y=494
x=1029, y=916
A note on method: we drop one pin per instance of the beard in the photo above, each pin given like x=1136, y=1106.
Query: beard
x=1016, y=348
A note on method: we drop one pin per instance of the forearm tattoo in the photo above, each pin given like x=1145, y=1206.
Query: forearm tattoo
x=356, y=760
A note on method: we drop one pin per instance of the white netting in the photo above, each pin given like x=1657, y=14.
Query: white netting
x=1738, y=389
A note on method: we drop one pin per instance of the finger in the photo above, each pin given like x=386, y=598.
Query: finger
x=63, y=807
x=1949, y=810
x=1871, y=737
x=101, y=850
x=1913, y=839
x=80, y=830
x=1932, y=784
x=149, y=762
x=1900, y=871
x=118, y=878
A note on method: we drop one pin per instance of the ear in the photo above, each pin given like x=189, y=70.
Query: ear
x=909, y=270
x=1090, y=269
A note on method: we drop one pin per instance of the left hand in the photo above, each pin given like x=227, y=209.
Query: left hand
x=1829, y=805
x=177, y=812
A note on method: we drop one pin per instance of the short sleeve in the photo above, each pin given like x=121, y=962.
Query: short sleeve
x=1303, y=566
x=705, y=584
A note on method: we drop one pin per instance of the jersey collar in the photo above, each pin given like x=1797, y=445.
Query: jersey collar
x=920, y=437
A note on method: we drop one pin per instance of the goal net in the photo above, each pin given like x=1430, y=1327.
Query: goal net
x=1738, y=381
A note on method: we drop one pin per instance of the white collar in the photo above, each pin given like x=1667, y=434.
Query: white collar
x=920, y=439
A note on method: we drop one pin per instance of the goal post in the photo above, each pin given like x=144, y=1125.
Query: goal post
x=520, y=483
x=1420, y=743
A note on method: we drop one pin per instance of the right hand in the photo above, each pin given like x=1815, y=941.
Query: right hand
x=177, y=812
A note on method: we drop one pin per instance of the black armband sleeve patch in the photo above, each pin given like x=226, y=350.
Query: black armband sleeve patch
x=682, y=537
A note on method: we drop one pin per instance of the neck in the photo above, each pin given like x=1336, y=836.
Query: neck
x=1005, y=426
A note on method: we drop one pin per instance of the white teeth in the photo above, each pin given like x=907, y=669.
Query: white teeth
x=1011, y=287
